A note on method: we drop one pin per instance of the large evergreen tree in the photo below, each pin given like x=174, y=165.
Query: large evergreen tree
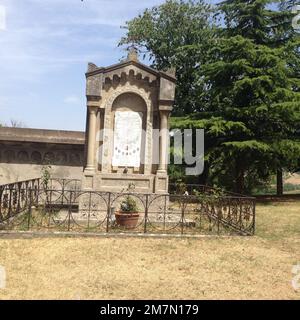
x=252, y=112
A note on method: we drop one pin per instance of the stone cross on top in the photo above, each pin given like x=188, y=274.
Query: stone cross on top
x=133, y=54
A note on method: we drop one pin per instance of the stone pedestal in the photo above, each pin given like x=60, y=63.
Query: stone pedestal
x=119, y=182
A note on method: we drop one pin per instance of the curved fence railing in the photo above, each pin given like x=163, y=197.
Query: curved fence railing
x=65, y=207
x=15, y=197
x=193, y=189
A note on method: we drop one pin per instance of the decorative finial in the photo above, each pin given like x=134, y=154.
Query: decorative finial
x=171, y=71
x=133, y=54
x=92, y=67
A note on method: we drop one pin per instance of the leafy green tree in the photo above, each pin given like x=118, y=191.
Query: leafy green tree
x=287, y=5
x=177, y=35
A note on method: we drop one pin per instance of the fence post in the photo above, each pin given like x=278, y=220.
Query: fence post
x=10, y=200
x=19, y=195
x=254, y=217
x=89, y=213
x=48, y=206
x=146, y=214
x=182, y=214
x=30, y=209
x=108, y=212
x=200, y=213
x=63, y=192
x=240, y=216
x=69, y=211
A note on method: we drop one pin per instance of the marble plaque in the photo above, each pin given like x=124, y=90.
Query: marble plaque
x=127, y=139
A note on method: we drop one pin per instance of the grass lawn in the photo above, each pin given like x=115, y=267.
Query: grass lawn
x=257, y=267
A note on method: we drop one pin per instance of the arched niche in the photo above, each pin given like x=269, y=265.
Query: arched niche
x=36, y=157
x=23, y=156
x=133, y=106
x=9, y=156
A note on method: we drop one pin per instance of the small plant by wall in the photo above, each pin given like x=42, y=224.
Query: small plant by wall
x=45, y=176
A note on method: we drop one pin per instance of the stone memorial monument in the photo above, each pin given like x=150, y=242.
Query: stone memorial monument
x=128, y=109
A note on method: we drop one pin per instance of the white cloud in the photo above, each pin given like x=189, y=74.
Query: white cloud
x=46, y=46
x=50, y=35
x=34, y=44
x=72, y=99
x=2, y=18
x=94, y=12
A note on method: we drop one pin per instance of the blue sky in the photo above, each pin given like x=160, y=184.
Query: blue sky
x=45, y=46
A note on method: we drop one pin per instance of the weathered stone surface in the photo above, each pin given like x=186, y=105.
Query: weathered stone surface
x=42, y=136
x=23, y=152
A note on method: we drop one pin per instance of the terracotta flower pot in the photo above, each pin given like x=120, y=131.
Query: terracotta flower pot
x=128, y=220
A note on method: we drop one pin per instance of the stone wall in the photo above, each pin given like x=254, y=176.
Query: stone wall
x=23, y=153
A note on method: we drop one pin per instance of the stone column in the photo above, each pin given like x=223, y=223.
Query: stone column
x=91, y=138
x=164, y=138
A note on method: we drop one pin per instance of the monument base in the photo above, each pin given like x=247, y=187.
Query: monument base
x=113, y=182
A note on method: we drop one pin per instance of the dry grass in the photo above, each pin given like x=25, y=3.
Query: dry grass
x=211, y=268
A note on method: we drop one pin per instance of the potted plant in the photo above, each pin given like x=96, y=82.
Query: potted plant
x=128, y=215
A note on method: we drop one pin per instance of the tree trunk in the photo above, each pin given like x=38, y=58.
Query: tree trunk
x=279, y=182
x=240, y=182
x=240, y=177
x=202, y=178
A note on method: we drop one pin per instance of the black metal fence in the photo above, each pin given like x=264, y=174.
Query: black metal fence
x=63, y=206
x=193, y=189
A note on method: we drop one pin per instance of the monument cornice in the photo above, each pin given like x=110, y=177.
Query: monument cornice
x=101, y=70
x=165, y=102
x=93, y=98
